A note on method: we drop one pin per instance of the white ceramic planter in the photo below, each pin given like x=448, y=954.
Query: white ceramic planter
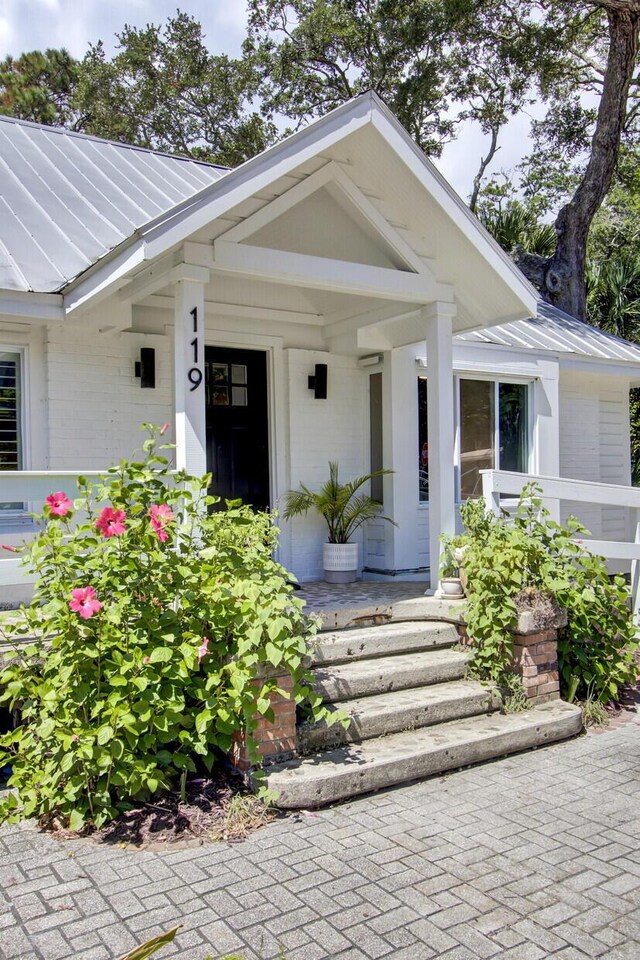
x=340, y=562
x=451, y=587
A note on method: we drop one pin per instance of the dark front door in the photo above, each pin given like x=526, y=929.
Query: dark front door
x=237, y=424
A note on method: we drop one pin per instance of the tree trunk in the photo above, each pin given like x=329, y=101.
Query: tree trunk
x=484, y=163
x=564, y=275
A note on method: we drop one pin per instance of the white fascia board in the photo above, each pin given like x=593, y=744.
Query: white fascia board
x=628, y=369
x=165, y=231
x=105, y=278
x=455, y=208
x=256, y=174
x=37, y=307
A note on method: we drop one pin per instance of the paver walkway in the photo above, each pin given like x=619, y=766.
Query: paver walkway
x=530, y=857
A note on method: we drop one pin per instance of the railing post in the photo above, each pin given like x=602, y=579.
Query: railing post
x=635, y=569
x=491, y=496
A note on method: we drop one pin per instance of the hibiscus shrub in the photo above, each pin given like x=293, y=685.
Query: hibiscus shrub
x=158, y=625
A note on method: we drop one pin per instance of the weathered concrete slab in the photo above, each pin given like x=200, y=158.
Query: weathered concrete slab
x=363, y=678
x=349, y=770
x=378, y=716
x=343, y=646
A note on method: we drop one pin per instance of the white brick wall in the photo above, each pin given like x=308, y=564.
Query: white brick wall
x=323, y=430
x=95, y=404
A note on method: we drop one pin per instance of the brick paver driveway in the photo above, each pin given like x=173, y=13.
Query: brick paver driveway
x=529, y=857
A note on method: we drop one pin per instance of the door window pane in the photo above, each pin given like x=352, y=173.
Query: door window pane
x=423, y=441
x=513, y=432
x=220, y=397
x=239, y=396
x=219, y=372
x=477, y=432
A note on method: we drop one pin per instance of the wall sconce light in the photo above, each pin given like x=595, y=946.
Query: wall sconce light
x=146, y=367
x=318, y=382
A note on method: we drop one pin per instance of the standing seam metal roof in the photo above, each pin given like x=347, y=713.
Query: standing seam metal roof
x=67, y=199
x=557, y=332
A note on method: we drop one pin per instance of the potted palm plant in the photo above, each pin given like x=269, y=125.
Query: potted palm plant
x=344, y=510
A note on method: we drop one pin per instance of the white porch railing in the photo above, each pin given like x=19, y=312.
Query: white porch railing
x=555, y=489
x=29, y=487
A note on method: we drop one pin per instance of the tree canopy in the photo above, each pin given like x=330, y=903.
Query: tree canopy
x=162, y=89
x=438, y=65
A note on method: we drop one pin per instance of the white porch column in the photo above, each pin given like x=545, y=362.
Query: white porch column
x=441, y=424
x=191, y=442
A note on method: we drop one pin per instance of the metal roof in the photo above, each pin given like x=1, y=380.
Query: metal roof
x=557, y=332
x=67, y=199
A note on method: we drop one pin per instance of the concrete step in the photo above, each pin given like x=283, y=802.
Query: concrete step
x=378, y=716
x=363, y=678
x=343, y=646
x=345, y=615
x=349, y=770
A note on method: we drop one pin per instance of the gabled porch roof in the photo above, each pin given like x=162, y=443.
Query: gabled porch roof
x=345, y=224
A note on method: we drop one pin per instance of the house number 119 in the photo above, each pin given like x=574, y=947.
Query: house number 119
x=194, y=375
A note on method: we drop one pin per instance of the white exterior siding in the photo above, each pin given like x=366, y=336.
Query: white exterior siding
x=594, y=443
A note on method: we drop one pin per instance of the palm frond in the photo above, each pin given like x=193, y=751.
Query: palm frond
x=338, y=503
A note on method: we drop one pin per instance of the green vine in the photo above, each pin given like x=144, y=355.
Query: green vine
x=504, y=556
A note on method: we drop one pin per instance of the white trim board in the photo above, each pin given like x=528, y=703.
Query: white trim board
x=344, y=189
x=169, y=229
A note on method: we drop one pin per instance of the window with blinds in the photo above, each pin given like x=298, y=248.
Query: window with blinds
x=10, y=417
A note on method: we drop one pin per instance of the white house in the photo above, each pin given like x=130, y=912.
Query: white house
x=340, y=246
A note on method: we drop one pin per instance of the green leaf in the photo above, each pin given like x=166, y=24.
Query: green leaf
x=150, y=947
x=160, y=655
x=104, y=735
x=274, y=655
x=76, y=820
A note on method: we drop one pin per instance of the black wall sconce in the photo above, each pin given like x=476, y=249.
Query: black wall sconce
x=146, y=367
x=318, y=382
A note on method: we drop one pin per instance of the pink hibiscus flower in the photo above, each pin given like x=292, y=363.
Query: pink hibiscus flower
x=110, y=523
x=160, y=516
x=202, y=649
x=84, y=601
x=164, y=429
x=7, y=546
x=59, y=504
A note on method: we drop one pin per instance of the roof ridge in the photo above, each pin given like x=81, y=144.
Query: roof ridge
x=64, y=131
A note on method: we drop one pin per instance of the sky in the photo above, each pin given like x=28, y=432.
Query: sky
x=74, y=24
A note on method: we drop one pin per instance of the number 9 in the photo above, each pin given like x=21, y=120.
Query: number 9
x=195, y=378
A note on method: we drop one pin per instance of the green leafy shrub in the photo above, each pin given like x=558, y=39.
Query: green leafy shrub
x=503, y=556
x=158, y=622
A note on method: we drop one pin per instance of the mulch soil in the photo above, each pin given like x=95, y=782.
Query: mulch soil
x=220, y=807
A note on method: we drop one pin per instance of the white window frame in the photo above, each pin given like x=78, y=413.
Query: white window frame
x=496, y=379
x=20, y=517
